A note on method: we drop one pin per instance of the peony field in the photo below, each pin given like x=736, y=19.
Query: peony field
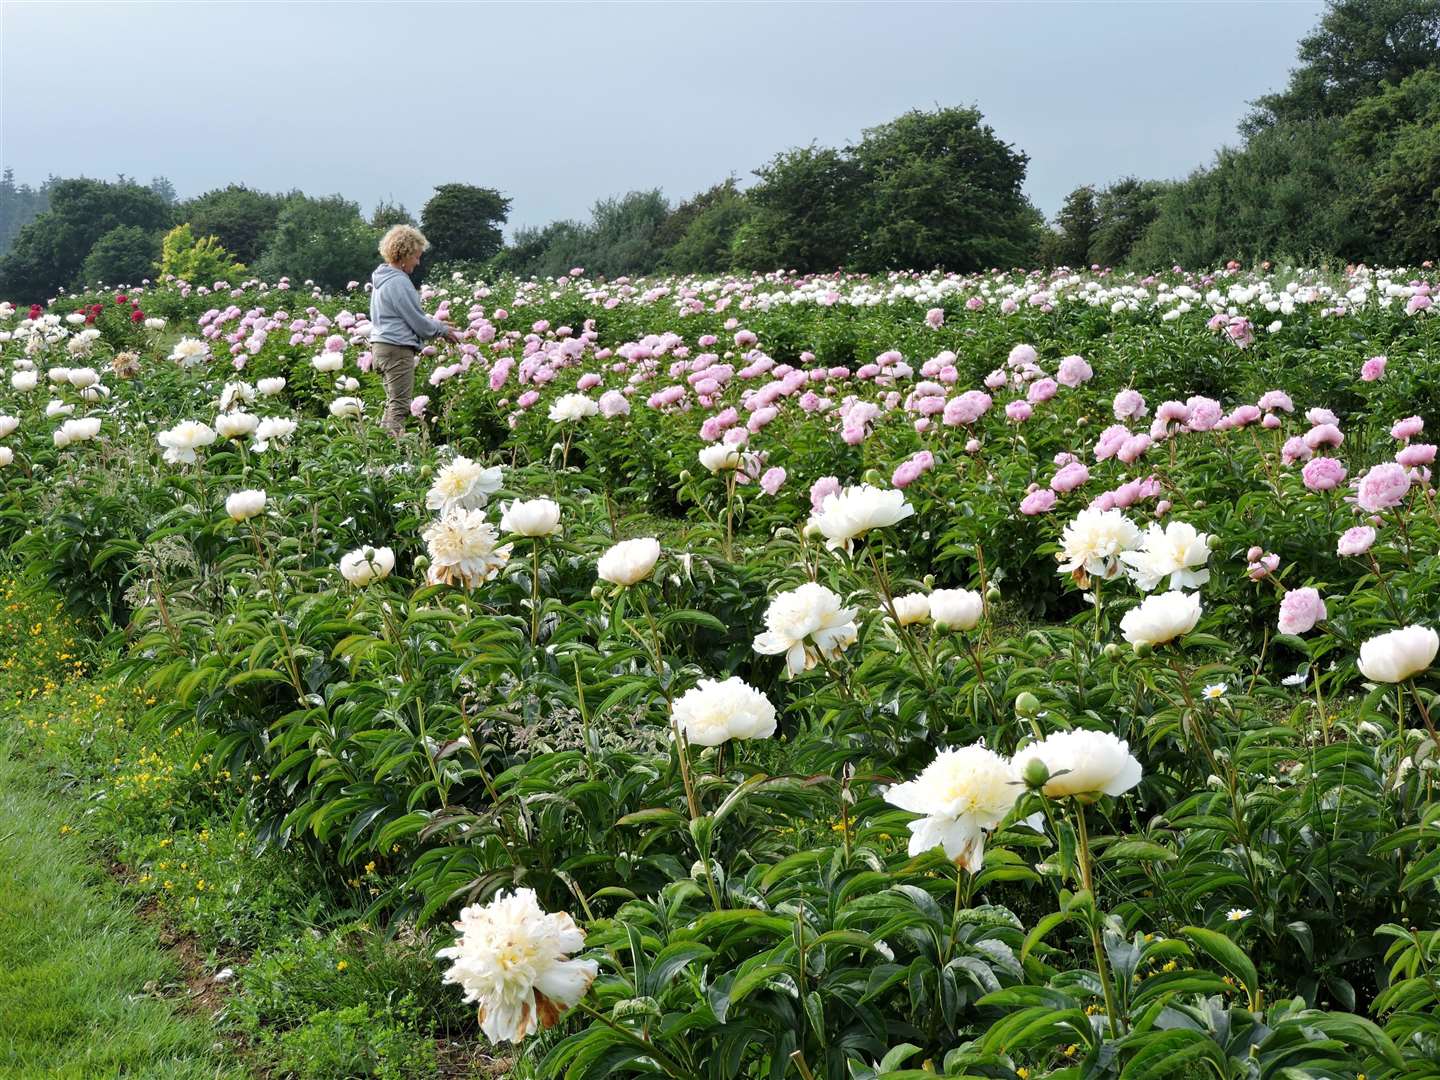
x=1007, y=675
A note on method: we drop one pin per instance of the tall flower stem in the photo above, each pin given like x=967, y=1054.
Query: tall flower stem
x=535, y=595
x=268, y=567
x=731, y=478
x=887, y=601
x=1102, y=969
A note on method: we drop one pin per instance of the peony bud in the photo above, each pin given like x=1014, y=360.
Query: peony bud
x=1144, y=648
x=1027, y=704
x=1036, y=774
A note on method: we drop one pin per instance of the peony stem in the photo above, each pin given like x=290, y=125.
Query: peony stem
x=1102, y=969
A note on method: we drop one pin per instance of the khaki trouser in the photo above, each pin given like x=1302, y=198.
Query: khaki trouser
x=396, y=365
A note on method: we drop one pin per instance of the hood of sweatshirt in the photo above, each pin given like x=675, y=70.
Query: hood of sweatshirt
x=385, y=272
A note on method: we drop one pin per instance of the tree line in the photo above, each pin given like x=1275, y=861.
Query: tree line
x=1342, y=163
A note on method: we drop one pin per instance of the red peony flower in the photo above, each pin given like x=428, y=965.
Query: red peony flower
x=137, y=315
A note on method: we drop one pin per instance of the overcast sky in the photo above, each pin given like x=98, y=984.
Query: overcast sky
x=557, y=104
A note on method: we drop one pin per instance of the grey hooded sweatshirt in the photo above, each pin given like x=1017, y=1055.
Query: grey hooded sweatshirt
x=396, y=317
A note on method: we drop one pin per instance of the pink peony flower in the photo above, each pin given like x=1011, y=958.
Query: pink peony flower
x=935, y=318
x=1130, y=405
x=1073, y=371
x=826, y=485
x=967, y=408
x=1039, y=501
x=1356, y=541
x=1323, y=435
x=772, y=480
x=1300, y=610
x=1262, y=565
x=1042, y=390
x=1407, y=429
x=1018, y=411
x=1373, y=370
x=1416, y=454
x=1133, y=447
x=1382, y=487
x=1323, y=474
x=1321, y=416
x=1205, y=413
x=1022, y=354
x=1276, y=399
x=1069, y=478
x=1295, y=450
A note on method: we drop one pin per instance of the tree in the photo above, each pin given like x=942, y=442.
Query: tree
x=321, y=240
x=463, y=222
x=1124, y=210
x=1077, y=222
x=550, y=250
x=805, y=215
x=201, y=262
x=1394, y=138
x=50, y=251
x=162, y=186
x=1358, y=46
x=388, y=214
x=621, y=237
x=126, y=255
x=242, y=220
x=941, y=189
x=20, y=204
x=708, y=241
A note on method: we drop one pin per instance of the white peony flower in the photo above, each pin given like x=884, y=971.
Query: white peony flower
x=183, y=440
x=6, y=456
x=513, y=960
x=154, y=324
x=1161, y=618
x=8, y=426
x=1175, y=551
x=366, y=565
x=236, y=425
x=74, y=431
x=806, y=624
x=1396, y=656
x=963, y=794
x=82, y=377
x=463, y=550
x=270, y=387
x=347, y=407
x=718, y=457
x=535, y=517
x=25, y=381
x=912, y=608
x=58, y=375
x=629, y=562
x=1083, y=762
x=463, y=485
x=850, y=514
x=55, y=407
x=572, y=407
x=273, y=429
x=244, y=505
x=956, y=609
x=715, y=712
x=1094, y=542
x=189, y=351
x=328, y=361
x=236, y=393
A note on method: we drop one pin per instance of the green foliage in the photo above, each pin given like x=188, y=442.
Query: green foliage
x=49, y=253
x=708, y=240
x=201, y=262
x=240, y=218
x=126, y=255
x=346, y=1044
x=462, y=222
x=20, y=204
x=806, y=212
x=320, y=240
x=1077, y=222
x=388, y=214
x=1124, y=210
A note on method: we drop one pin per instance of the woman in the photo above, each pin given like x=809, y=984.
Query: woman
x=397, y=323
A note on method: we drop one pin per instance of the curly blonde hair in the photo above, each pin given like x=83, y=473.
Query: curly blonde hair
x=401, y=242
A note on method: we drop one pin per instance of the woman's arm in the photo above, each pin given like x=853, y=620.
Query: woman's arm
x=407, y=306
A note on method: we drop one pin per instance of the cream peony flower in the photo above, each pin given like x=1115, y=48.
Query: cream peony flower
x=718, y=457
x=1396, y=656
x=273, y=429
x=270, y=387
x=1083, y=763
x=912, y=608
x=189, y=351
x=1094, y=542
x=572, y=407
x=715, y=712
x=513, y=960
x=328, y=362
x=1161, y=618
x=6, y=456
x=463, y=550
x=25, y=381
x=963, y=794
x=367, y=565
x=850, y=514
x=463, y=485
x=8, y=425
x=75, y=431
x=806, y=624
x=535, y=517
x=347, y=408
x=956, y=609
x=244, y=505
x=183, y=440
x=629, y=562
x=236, y=425
x=1175, y=551
x=81, y=377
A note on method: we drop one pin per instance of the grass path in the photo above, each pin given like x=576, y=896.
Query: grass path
x=75, y=960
